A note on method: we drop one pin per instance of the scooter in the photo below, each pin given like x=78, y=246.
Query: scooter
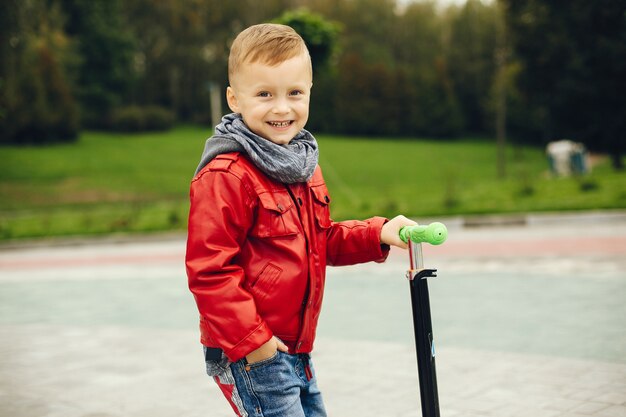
x=435, y=234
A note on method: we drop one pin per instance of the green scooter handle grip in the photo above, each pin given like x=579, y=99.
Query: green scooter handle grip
x=435, y=233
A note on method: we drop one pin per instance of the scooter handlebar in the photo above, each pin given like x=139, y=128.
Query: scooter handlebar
x=435, y=233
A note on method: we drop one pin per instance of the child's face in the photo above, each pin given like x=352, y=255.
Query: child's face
x=273, y=100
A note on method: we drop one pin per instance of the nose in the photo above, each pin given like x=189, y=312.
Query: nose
x=281, y=106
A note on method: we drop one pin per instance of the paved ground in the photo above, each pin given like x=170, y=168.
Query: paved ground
x=528, y=320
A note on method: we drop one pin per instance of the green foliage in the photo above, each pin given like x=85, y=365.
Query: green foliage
x=574, y=65
x=361, y=91
x=37, y=105
x=106, y=49
x=441, y=112
x=470, y=57
x=181, y=47
x=44, y=109
x=368, y=27
x=405, y=68
x=391, y=77
x=319, y=34
x=137, y=119
x=158, y=118
x=378, y=100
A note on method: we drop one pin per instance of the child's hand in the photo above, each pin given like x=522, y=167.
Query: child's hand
x=390, y=233
x=266, y=351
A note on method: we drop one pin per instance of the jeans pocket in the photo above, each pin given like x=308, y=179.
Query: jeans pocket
x=264, y=362
x=215, y=367
x=269, y=377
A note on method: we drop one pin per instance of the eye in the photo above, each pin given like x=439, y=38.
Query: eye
x=296, y=93
x=263, y=94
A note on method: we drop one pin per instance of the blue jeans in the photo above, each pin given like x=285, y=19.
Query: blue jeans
x=281, y=386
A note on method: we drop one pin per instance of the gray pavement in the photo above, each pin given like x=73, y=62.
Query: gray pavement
x=528, y=320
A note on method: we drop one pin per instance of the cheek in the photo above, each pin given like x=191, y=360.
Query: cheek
x=305, y=113
x=259, y=109
x=253, y=113
x=303, y=106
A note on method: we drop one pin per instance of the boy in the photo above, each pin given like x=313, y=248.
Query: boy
x=260, y=233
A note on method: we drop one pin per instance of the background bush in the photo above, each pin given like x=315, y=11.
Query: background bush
x=137, y=119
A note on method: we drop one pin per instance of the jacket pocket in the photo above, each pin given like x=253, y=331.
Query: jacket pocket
x=276, y=216
x=262, y=286
x=321, y=206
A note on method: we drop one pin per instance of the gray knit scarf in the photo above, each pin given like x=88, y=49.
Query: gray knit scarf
x=294, y=162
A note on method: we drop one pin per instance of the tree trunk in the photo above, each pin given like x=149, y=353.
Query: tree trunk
x=501, y=58
x=215, y=92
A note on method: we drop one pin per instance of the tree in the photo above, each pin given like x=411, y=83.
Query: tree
x=37, y=105
x=422, y=47
x=470, y=54
x=442, y=114
x=573, y=57
x=319, y=34
x=106, y=50
x=399, y=67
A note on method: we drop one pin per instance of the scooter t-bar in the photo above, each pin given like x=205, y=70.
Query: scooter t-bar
x=435, y=234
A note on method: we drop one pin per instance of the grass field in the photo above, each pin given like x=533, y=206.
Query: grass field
x=109, y=183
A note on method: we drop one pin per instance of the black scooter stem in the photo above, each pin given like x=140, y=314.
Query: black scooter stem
x=435, y=234
x=424, y=343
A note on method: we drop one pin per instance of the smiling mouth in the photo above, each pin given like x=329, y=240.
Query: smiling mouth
x=280, y=124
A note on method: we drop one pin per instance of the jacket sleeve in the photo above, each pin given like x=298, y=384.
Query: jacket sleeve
x=221, y=213
x=353, y=241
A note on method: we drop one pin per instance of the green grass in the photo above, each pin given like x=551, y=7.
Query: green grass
x=431, y=178
x=108, y=183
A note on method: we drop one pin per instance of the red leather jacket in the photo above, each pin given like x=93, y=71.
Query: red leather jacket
x=257, y=251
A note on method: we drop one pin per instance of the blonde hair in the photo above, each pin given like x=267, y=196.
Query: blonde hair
x=268, y=43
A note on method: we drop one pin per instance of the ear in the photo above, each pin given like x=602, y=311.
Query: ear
x=231, y=98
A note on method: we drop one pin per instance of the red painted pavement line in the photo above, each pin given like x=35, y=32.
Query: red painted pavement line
x=611, y=246
x=92, y=261
x=572, y=246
